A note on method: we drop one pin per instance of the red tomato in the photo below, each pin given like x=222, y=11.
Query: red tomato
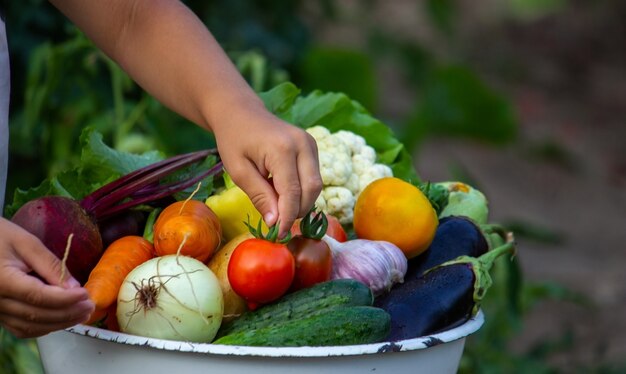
x=334, y=230
x=260, y=271
x=313, y=261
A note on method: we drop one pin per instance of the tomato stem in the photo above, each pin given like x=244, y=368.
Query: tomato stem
x=314, y=224
x=272, y=233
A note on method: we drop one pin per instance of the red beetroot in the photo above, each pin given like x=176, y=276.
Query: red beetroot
x=52, y=219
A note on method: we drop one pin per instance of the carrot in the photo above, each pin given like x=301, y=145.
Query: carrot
x=188, y=227
x=105, y=318
x=105, y=280
x=97, y=317
x=110, y=322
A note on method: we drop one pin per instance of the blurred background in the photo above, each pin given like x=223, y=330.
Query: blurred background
x=524, y=99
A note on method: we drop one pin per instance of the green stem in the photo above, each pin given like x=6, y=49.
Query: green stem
x=148, y=232
x=495, y=234
x=314, y=224
x=272, y=233
x=228, y=181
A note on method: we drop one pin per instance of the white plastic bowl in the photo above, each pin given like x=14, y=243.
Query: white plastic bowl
x=86, y=349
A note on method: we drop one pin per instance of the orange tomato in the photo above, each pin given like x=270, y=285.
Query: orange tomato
x=396, y=211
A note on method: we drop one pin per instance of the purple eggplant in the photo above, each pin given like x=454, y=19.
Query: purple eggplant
x=455, y=236
x=443, y=296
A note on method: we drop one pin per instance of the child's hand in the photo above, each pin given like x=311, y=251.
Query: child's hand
x=29, y=307
x=254, y=144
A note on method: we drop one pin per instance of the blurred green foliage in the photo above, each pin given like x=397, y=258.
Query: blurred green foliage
x=62, y=83
x=18, y=356
x=341, y=70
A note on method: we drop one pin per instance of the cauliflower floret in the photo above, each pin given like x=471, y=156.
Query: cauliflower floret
x=335, y=168
x=334, y=157
x=320, y=203
x=353, y=183
x=363, y=161
x=339, y=203
x=354, y=142
x=376, y=171
x=334, y=145
x=318, y=132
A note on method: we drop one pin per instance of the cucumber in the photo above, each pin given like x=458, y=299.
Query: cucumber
x=301, y=304
x=336, y=326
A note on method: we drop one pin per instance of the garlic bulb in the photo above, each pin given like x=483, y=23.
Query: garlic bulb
x=378, y=264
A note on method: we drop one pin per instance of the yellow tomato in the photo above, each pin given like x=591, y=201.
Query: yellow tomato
x=234, y=304
x=396, y=211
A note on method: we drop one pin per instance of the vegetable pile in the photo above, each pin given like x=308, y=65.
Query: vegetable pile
x=171, y=248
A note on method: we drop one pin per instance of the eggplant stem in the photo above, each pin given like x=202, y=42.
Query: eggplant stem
x=495, y=234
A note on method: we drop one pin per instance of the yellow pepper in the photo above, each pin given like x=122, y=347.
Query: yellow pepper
x=233, y=207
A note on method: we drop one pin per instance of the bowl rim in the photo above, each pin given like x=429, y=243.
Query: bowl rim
x=459, y=332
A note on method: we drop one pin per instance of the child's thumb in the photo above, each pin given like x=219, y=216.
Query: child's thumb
x=46, y=264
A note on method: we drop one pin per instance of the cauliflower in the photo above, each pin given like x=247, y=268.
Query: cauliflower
x=347, y=166
x=339, y=202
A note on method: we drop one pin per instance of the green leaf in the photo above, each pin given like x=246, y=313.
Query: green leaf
x=330, y=110
x=436, y=194
x=206, y=186
x=280, y=98
x=100, y=162
x=336, y=111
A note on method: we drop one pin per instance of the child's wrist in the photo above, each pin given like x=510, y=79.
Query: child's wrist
x=229, y=110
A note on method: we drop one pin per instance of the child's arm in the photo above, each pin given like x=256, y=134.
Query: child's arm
x=167, y=50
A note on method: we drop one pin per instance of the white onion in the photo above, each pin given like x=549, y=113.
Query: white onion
x=171, y=297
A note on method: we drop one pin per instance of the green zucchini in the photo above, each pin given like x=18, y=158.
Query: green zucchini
x=336, y=326
x=301, y=304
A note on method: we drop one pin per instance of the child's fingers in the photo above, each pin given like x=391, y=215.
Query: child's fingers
x=35, y=314
x=258, y=188
x=309, y=176
x=287, y=185
x=298, y=183
x=20, y=286
x=38, y=258
x=22, y=329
